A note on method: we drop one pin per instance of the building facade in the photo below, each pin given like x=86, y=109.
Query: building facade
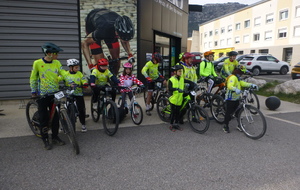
x=268, y=26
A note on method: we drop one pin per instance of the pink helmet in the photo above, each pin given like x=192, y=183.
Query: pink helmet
x=127, y=65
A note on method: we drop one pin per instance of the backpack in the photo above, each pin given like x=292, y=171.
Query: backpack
x=198, y=68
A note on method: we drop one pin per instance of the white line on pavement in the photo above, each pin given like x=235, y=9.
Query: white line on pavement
x=276, y=118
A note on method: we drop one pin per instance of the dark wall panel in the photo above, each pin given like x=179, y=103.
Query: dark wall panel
x=24, y=26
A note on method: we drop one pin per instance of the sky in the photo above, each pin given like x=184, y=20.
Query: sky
x=203, y=2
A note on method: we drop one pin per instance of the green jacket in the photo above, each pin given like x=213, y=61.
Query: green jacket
x=177, y=97
x=76, y=78
x=232, y=83
x=207, y=69
x=228, y=67
x=151, y=70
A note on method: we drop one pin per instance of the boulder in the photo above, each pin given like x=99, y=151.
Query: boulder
x=259, y=82
x=288, y=87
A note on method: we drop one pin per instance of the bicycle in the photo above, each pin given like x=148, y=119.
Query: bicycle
x=250, y=119
x=158, y=92
x=136, y=112
x=109, y=110
x=58, y=106
x=197, y=116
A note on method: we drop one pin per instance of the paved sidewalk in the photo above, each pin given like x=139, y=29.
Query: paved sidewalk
x=14, y=122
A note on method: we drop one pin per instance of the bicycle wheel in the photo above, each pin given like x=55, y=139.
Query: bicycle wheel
x=32, y=116
x=136, y=114
x=164, y=109
x=198, y=119
x=72, y=115
x=152, y=102
x=95, y=112
x=110, y=118
x=218, y=108
x=68, y=129
x=252, y=99
x=203, y=100
x=252, y=122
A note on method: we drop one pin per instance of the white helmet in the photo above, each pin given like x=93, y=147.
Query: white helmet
x=72, y=62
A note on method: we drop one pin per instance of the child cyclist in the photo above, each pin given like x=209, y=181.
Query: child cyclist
x=176, y=87
x=127, y=79
x=234, y=84
x=74, y=77
x=100, y=76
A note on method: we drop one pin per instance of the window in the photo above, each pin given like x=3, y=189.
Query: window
x=247, y=24
x=257, y=21
x=252, y=51
x=222, y=42
x=229, y=41
x=210, y=45
x=237, y=40
x=297, y=31
x=298, y=11
x=205, y=45
x=268, y=35
x=262, y=58
x=283, y=15
x=229, y=28
x=256, y=37
x=238, y=26
x=216, y=32
x=210, y=33
x=270, y=18
x=205, y=34
x=216, y=43
x=282, y=33
x=222, y=30
x=246, y=39
x=240, y=52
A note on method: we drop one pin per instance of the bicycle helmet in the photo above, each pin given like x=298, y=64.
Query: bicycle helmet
x=51, y=48
x=233, y=53
x=124, y=27
x=102, y=62
x=208, y=53
x=157, y=56
x=127, y=65
x=176, y=68
x=187, y=55
x=242, y=68
x=181, y=55
x=72, y=62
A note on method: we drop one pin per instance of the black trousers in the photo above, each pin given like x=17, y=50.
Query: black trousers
x=175, y=113
x=45, y=104
x=81, y=108
x=231, y=106
x=96, y=91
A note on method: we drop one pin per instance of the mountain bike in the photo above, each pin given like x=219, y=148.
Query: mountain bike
x=158, y=92
x=197, y=116
x=109, y=110
x=136, y=112
x=58, y=106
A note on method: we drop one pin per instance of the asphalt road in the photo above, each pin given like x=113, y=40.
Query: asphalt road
x=153, y=157
x=274, y=76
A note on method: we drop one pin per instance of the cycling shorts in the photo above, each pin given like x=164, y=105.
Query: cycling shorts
x=151, y=85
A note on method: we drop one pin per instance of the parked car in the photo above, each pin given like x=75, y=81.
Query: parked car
x=264, y=63
x=197, y=58
x=295, y=73
x=220, y=64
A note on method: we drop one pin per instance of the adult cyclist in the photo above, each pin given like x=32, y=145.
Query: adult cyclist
x=229, y=64
x=151, y=73
x=103, y=24
x=44, y=80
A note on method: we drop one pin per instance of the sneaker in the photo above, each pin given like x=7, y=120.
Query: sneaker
x=226, y=129
x=239, y=128
x=83, y=129
x=148, y=112
x=58, y=141
x=177, y=127
x=47, y=144
x=95, y=105
x=171, y=127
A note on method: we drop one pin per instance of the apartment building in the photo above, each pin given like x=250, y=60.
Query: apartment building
x=268, y=26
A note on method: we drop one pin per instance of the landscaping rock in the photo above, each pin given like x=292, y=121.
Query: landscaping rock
x=288, y=87
x=259, y=82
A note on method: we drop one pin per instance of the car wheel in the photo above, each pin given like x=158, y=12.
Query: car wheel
x=283, y=71
x=256, y=71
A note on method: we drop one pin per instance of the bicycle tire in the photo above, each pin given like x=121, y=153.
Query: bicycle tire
x=32, y=116
x=203, y=100
x=136, y=112
x=68, y=129
x=164, y=109
x=119, y=101
x=217, y=108
x=252, y=122
x=72, y=115
x=110, y=118
x=95, y=112
x=200, y=121
x=152, y=102
x=252, y=99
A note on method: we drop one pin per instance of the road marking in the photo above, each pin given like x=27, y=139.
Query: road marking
x=276, y=118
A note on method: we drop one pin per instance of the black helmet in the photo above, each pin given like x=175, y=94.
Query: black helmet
x=50, y=48
x=157, y=56
x=176, y=68
x=232, y=53
x=124, y=27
